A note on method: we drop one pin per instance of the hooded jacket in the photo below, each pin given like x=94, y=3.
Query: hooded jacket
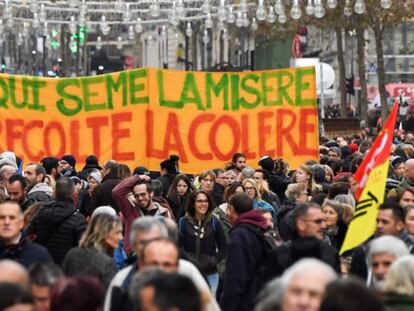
x=245, y=260
x=40, y=192
x=58, y=226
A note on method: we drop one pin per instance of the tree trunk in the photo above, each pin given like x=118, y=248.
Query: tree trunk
x=378, y=31
x=362, y=73
x=341, y=63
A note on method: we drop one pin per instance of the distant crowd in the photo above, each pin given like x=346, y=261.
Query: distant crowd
x=246, y=236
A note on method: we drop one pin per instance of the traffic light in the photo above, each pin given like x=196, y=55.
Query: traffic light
x=350, y=85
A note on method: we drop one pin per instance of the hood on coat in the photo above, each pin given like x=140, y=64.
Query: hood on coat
x=43, y=187
x=254, y=217
x=8, y=158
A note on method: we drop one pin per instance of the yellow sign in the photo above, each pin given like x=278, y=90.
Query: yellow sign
x=140, y=117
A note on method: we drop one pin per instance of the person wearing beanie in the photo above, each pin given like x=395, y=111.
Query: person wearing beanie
x=68, y=163
x=84, y=200
x=267, y=164
x=91, y=163
x=335, y=226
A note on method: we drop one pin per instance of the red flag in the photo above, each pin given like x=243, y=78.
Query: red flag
x=379, y=152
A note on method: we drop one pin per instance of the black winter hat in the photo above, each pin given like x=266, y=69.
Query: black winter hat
x=92, y=162
x=267, y=163
x=70, y=159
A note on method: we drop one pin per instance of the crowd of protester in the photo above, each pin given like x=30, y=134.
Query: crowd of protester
x=113, y=237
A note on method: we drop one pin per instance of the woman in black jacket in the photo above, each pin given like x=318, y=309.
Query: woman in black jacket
x=178, y=194
x=202, y=237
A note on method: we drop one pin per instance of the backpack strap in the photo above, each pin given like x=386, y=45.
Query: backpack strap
x=214, y=221
x=181, y=226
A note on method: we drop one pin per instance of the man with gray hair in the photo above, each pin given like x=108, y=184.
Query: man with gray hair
x=143, y=230
x=334, y=153
x=382, y=252
x=247, y=172
x=304, y=284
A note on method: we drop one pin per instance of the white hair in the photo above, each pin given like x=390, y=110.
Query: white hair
x=387, y=244
x=146, y=224
x=307, y=266
x=270, y=297
x=105, y=209
x=400, y=278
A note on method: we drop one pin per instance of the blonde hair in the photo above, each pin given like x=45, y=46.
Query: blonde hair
x=294, y=190
x=254, y=184
x=263, y=186
x=311, y=184
x=97, y=230
x=400, y=278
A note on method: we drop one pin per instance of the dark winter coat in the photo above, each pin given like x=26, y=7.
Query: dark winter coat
x=88, y=261
x=286, y=255
x=102, y=195
x=58, y=226
x=278, y=184
x=337, y=239
x=84, y=203
x=244, y=276
x=204, y=243
x=284, y=220
x=217, y=194
x=166, y=181
x=177, y=205
x=25, y=252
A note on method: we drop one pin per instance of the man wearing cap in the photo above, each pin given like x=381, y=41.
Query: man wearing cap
x=68, y=163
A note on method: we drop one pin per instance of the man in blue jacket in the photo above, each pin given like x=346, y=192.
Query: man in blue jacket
x=244, y=276
x=13, y=244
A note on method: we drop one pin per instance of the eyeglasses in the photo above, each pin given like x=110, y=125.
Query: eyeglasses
x=142, y=195
x=202, y=201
